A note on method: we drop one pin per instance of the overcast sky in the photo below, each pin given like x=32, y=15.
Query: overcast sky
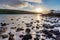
x=29, y=4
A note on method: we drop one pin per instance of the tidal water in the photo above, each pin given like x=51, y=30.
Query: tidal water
x=37, y=24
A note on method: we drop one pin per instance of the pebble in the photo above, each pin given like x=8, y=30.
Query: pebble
x=28, y=30
x=3, y=24
x=27, y=37
x=36, y=38
x=21, y=36
x=19, y=29
x=4, y=36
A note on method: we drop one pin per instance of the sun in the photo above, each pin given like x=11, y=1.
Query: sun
x=39, y=10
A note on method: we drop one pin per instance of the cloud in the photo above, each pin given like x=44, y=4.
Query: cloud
x=12, y=3
x=36, y=1
x=17, y=4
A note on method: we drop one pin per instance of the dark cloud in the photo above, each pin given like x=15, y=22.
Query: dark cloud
x=17, y=4
x=12, y=2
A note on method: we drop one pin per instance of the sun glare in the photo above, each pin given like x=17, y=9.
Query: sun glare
x=39, y=10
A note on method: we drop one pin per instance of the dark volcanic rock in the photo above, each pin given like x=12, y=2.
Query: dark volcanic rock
x=28, y=30
x=28, y=24
x=56, y=32
x=37, y=21
x=3, y=29
x=34, y=22
x=27, y=37
x=58, y=37
x=12, y=22
x=51, y=31
x=48, y=34
x=11, y=36
x=13, y=27
x=3, y=24
x=31, y=19
x=33, y=27
x=51, y=27
x=38, y=32
x=48, y=26
x=36, y=38
x=19, y=29
x=4, y=36
x=21, y=36
x=31, y=22
x=12, y=19
x=42, y=39
x=37, y=27
x=45, y=26
x=37, y=35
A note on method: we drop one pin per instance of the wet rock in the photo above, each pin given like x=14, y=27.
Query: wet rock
x=45, y=26
x=31, y=19
x=19, y=29
x=4, y=36
x=3, y=24
x=12, y=22
x=40, y=31
x=37, y=32
x=42, y=39
x=34, y=22
x=58, y=37
x=21, y=36
x=28, y=30
x=18, y=25
x=10, y=34
x=28, y=24
x=27, y=37
x=48, y=34
x=36, y=38
x=51, y=27
x=37, y=27
x=3, y=29
x=31, y=22
x=13, y=27
x=37, y=21
x=51, y=31
x=56, y=32
x=42, y=19
x=44, y=35
x=37, y=35
x=11, y=37
x=12, y=19
x=33, y=27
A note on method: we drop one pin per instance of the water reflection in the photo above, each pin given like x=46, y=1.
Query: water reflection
x=38, y=25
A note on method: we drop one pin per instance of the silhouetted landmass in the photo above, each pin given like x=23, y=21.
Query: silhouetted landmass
x=52, y=14
x=9, y=11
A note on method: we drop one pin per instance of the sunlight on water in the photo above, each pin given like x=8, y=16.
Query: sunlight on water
x=39, y=17
x=19, y=21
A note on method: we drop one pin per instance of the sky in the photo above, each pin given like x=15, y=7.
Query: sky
x=30, y=4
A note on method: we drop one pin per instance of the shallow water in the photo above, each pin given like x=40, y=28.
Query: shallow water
x=19, y=20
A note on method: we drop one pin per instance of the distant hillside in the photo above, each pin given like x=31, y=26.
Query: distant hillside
x=9, y=11
x=52, y=14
